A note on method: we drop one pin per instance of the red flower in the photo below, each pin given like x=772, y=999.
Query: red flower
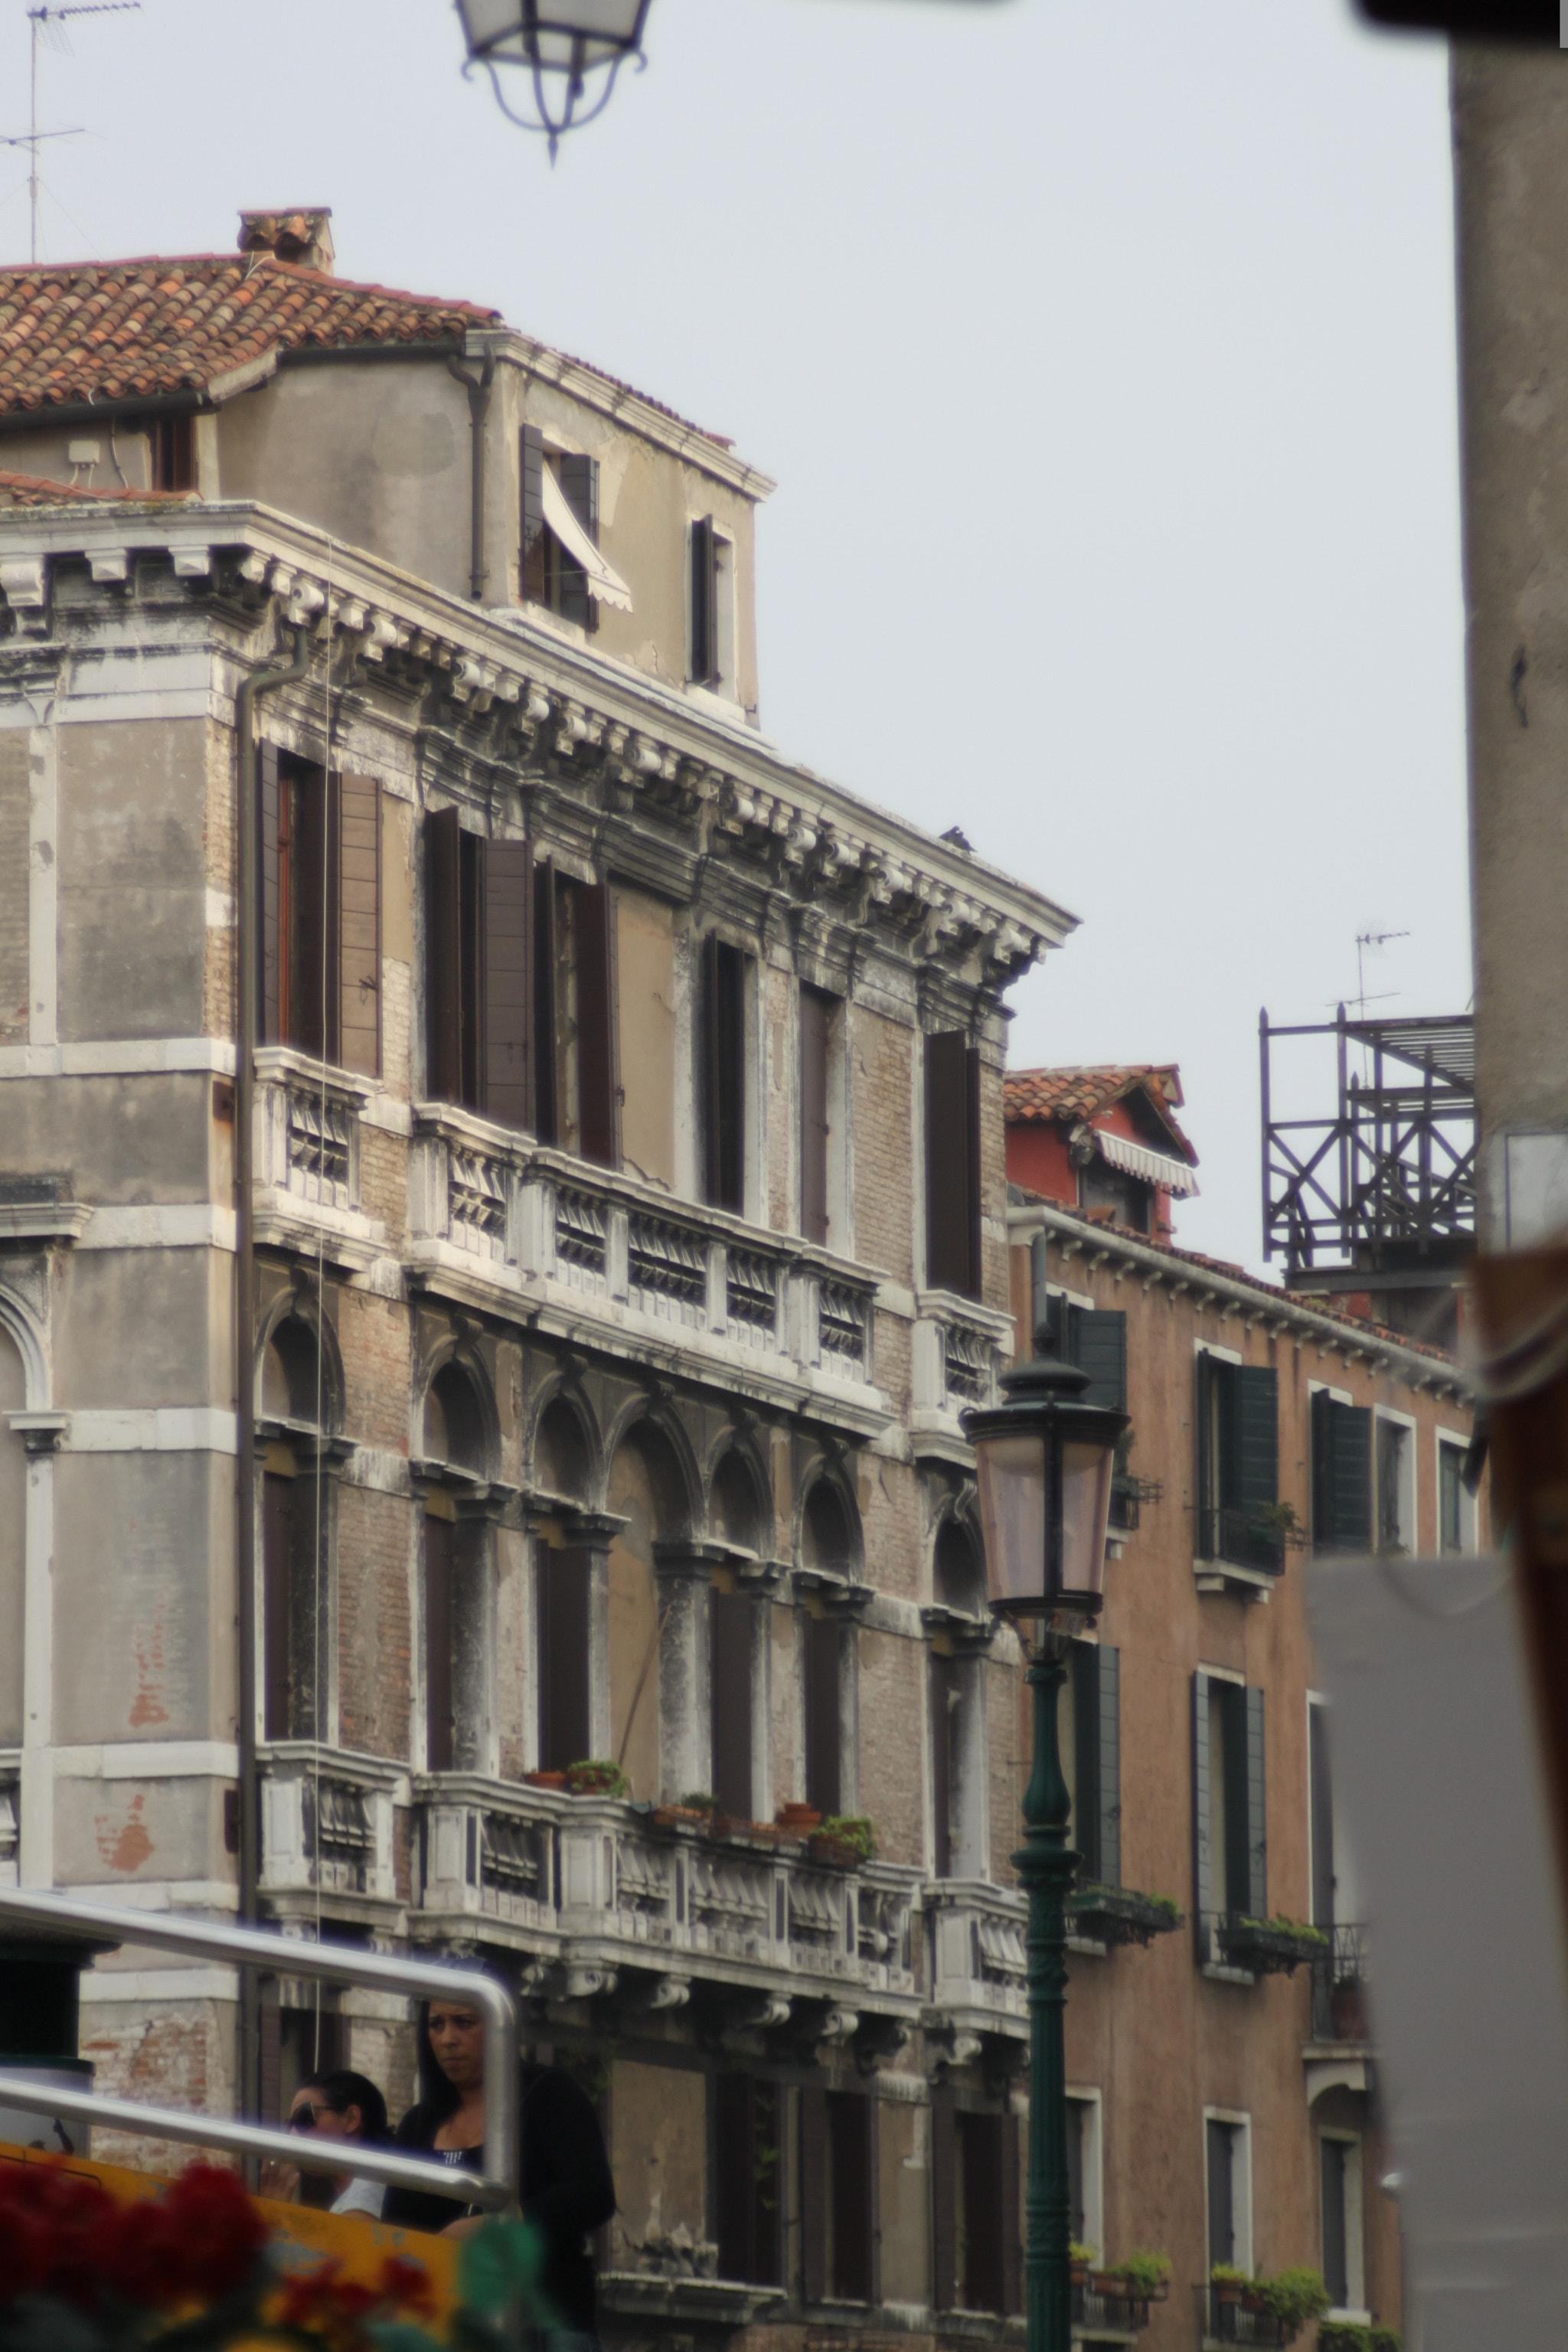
x=220, y=2230
x=407, y=2286
x=24, y=2250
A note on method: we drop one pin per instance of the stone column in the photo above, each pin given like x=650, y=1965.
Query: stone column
x=685, y=1573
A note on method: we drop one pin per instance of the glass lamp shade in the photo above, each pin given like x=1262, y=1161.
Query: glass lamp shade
x=570, y=37
x=1043, y=1465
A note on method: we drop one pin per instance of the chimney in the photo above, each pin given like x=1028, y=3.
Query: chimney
x=304, y=239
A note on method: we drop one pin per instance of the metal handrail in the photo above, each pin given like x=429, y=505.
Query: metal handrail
x=496, y=2188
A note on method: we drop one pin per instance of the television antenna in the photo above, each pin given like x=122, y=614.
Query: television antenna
x=1364, y=940
x=49, y=21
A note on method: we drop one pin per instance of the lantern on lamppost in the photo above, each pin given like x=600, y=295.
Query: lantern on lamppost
x=1044, y=1460
x=559, y=43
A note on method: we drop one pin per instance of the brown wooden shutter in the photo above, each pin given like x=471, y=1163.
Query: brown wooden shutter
x=973, y=1191
x=599, y=1070
x=312, y=860
x=580, y=489
x=269, y=1030
x=545, y=1123
x=438, y=1741
x=730, y=1662
x=1012, y=2219
x=509, y=983
x=735, y=2140
x=816, y=1030
x=532, y=566
x=944, y=1685
x=980, y=2148
x=443, y=988
x=824, y=1644
x=854, y=2191
x=947, y=1162
x=358, y=925
x=814, y=2191
x=724, y=1059
x=704, y=649
x=945, y=2205
x=277, y=1600
x=564, y=1586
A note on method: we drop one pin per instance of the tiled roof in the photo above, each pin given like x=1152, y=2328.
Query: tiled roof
x=119, y=330
x=38, y=491
x=1036, y=1097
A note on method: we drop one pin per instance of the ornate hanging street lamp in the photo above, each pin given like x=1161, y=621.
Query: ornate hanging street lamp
x=1042, y=1463
x=559, y=43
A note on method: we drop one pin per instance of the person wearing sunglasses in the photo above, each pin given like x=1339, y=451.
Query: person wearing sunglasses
x=339, y=2104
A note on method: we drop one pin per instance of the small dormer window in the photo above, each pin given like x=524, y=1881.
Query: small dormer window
x=711, y=608
x=562, y=566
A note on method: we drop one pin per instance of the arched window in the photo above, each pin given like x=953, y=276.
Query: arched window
x=736, y=1518
x=563, y=1586
x=12, y=1539
x=958, y=1760
x=828, y=1543
x=959, y=1569
x=458, y=1612
x=734, y=1512
x=648, y=1489
x=296, y=1533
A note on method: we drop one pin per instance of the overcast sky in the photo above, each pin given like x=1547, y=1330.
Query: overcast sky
x=1104, y=355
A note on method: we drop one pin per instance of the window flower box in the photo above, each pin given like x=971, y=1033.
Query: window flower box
x=1269, y=1947
x=1120, y=1915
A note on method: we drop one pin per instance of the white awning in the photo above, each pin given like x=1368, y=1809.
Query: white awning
x=607, y=585
x=1160, y=1168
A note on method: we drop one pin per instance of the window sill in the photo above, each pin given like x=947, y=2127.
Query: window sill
x=1224, y=1576
x=1218, y=1973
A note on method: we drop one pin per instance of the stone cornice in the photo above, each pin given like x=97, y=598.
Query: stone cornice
x=514, y=696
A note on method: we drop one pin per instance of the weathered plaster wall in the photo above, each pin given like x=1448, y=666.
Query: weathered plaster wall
x=132, y=880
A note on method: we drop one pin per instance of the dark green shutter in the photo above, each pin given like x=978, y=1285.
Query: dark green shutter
x=1256, y=1392
x=533, y=514
x=1207, y=1546
x=507, y=1049
x=1203, y=1865
x=1097, y=1344
x=1109, y=1776
x=1084, y=1827
x=1350, y=1497
x=1237, y=1801
x=1257, y=1812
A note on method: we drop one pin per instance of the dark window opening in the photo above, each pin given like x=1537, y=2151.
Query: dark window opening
x=1221, y=2148
x=724, y=1073
x=946, y=1699
x=173, y=453
x=1238, y=1463
x=976, y=2245
x=823, y=1712
x=1450, y=1498
x=320, y=946
x=952, y=1164
x=730, y=1679
x=551, y=575
x=1129, y=1200
x=837, y=2196
x=563, y=1591
x=704, y=603
x=293, y=1580
x=440, y=1728
x=1335, y=2159
x=747, y=2186
x=1321, y=1798
x=817, y=1014
x=1230, y=1807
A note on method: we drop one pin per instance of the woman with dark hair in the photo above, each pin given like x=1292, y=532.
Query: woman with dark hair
x=566, y=2189
x=337, y=2105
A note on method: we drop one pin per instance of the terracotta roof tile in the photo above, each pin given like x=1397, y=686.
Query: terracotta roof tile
x=1036, y=1097
x=38, y=491
x=118, y=329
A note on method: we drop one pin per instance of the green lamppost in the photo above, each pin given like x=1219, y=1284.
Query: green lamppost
x=1043, y=1462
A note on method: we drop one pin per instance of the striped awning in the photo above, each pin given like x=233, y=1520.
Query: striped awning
x=603, y=581
x=1172, y=1175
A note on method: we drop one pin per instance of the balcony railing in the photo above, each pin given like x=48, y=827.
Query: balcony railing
x=307, y=1129
x=1103, y=2306
x=1339, y=1990
x=594, y=1887
x=1242, y=1537
x=326, y=1823
x=500, y=1205
x=10, y=1816
x=1229, y=2316
x=978, y=1957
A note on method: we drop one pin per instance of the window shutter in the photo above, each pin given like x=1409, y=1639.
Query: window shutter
x=1256, y=1813
x=473, y=864
x=1218, y=2138
x=945, y=2205
x=1336, y=2235
x=1108, y=1774
x=268, y=1029
x=277, y=1600
x=733, y=2153
x=979, y=2142
x=1012, y=2219
x=533, y=554
x=546, y=1126
x=814, y=2187
x=598, y=1080
x=823, y=1665
x=1344, y=1486
x=438, y=1645
x=443, y=990
x=563, y=1587
x=730, y=1661
x=1203, y=1861
x=724, y=1002
x=1084, y=1830
x=358, y=925
x=815, y=1023
x=943, y=1693
x=580, y=489
x=849, y=2116
x=704, y=660
x=1322, y=1804
x=1097, y=1337
x=311, y=863
x=947, y=1160
x=975, y=1283
x=1204, y=1371
x=1040, y=1299
x=1255, y=1390
x=509, y=983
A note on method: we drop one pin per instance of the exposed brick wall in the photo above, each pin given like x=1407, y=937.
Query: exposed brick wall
x=880, y=1071
x=373, y=1336
x=164, y=2053
x=891, y=1697
x=14, y=803
x=375, y=1651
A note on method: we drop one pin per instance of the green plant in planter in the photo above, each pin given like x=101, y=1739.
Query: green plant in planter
x=1145, y=2273
x=856, y=1831
x=1082, y=2257
x=1382, y=2339
x=597, y=1776
x=1295, y=2296
x=698, y=1801
x=1349, y=2336
x=1226, y=2275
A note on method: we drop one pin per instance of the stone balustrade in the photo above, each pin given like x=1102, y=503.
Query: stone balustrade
x=327, y=1818
x=979, y=1957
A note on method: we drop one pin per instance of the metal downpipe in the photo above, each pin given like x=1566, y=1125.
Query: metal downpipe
x=478, y=391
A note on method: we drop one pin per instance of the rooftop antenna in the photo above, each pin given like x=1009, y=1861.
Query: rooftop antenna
x=46, y=19
x=1364, y=940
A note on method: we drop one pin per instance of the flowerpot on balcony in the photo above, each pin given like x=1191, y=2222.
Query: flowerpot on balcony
x=598, y=1777
x=835, y=1853
x=800, y=1820
x=544, y=1780
x=669, y=1817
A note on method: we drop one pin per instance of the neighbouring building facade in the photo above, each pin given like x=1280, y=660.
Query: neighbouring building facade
x=1221, y=2065
x=630, y=1227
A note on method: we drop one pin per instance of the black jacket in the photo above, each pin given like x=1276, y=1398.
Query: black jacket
x=567, y=2187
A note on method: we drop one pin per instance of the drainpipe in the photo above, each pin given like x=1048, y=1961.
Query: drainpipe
x=248, y=943
x=478, y=391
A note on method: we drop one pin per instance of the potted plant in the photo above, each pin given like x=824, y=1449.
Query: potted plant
x=1082, y=2260
x=845, y=1839
x=799, y=1820
x=1229, y=2282
x=1295, y=2296
x=596, y=1776
x=1269, y=1947
x=544, y=1780
x=698, y=1807
x=1145, y=2275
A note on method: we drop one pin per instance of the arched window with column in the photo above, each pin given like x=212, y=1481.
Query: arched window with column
x=13, y=1538
x=563, y=1591
x=960, y=1624
x=295, y=1410
x=735, y=1525
x=655, y=1579
x=829, y=1553
x=458, y=1613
